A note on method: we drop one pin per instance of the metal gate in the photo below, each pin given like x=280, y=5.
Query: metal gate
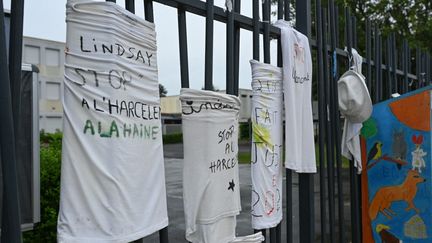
x=396, y=74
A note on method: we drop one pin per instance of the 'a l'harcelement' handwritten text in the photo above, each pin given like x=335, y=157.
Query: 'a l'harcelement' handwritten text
x=133, y=109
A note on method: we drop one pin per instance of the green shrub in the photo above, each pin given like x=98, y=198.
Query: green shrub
x=244, y=131
x=172, y=138
x=50, y=163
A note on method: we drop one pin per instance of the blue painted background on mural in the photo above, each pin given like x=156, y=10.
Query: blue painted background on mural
x=386, y=173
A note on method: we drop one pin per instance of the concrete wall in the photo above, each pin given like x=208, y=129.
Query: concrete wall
x=48, y=56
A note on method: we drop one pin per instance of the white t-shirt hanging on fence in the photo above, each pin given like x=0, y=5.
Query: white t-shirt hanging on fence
x=112, y=178
x=211, y=188
x=297, y=86
x=267, y=145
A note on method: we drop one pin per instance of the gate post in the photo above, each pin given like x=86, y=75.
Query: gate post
x=306, y=180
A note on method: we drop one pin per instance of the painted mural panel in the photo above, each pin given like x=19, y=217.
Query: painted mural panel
x=397, y=180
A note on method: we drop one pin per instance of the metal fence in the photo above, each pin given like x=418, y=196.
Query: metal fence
x=385, y=74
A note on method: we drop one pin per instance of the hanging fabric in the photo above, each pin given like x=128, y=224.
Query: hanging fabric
x=112, y=177
x=267, y=145
x=297, y=88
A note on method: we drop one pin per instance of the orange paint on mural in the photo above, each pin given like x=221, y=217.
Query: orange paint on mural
x=407, y=111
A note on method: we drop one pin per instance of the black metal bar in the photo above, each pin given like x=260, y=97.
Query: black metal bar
x=354, y=31
x=256, y=32
x=113, y=1
x=369, y=54
x=418, y=66
x=130, y=5
x=163, y=235
x=230, y=53
x=394, y=63
x=183, y=48
x=289, y=208
x=389, y=68
x=336, y=131
x=148, y=10
x=237, y=8
x=330, y=138
x=208, y=72
x=322, y=118
x=287, y=10
x=306, y=180
x=279, y=233
x=11, y=226
x=376, y=47
x=266, y=20
x=405, y=61
x=279, y=44
x=272, y=235
x=380, y=79
x=355, y=234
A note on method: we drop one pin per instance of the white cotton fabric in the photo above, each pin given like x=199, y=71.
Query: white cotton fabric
x=267, y=145
x=297, y=88
x=112, y=175
x=255, y=238
x=211, y=188
x=351, y=133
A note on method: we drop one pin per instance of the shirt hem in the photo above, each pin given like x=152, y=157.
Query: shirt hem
x=131, y=237
x=260, y=226
x=302, y=169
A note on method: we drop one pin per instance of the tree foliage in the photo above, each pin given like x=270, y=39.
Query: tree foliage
x=162, y=90
x=410, y=19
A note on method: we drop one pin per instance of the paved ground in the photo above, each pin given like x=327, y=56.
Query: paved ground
x=176, y=228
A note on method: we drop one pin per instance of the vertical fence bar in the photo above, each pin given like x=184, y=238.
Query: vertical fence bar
x=208, y=76
x=183, y=48
x=389, y=68
x=336, y=118
x=380, y=80
x=405, y=61
x=355, y=234
x=375, y=87
x=11, y=226
x=266, y=22
x=306, y=180
x=230, y=53
x=237, y=8
x=288, y=172
x=322, y=118
x=394, y=63
x=369, y=55
x=280, y=15
x=418, y=66
x=330, y=134
x=256, y=32
x=149, y=16
x=130, y=5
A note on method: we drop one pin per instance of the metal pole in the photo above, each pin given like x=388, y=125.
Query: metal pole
x=237, y=8
x=11, y=225
x=256, y=31
x=183, y=48
x=306, y=180
x=208, y=76
x=266, y=20
x=130, y=5
x=322, y=118
x=230, y=53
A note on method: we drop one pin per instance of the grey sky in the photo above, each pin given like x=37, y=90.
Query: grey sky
x=46, y=19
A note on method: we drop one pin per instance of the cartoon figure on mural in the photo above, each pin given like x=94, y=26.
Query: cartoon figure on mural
x=385, y=196
x=399, y=145
x=418, y=154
